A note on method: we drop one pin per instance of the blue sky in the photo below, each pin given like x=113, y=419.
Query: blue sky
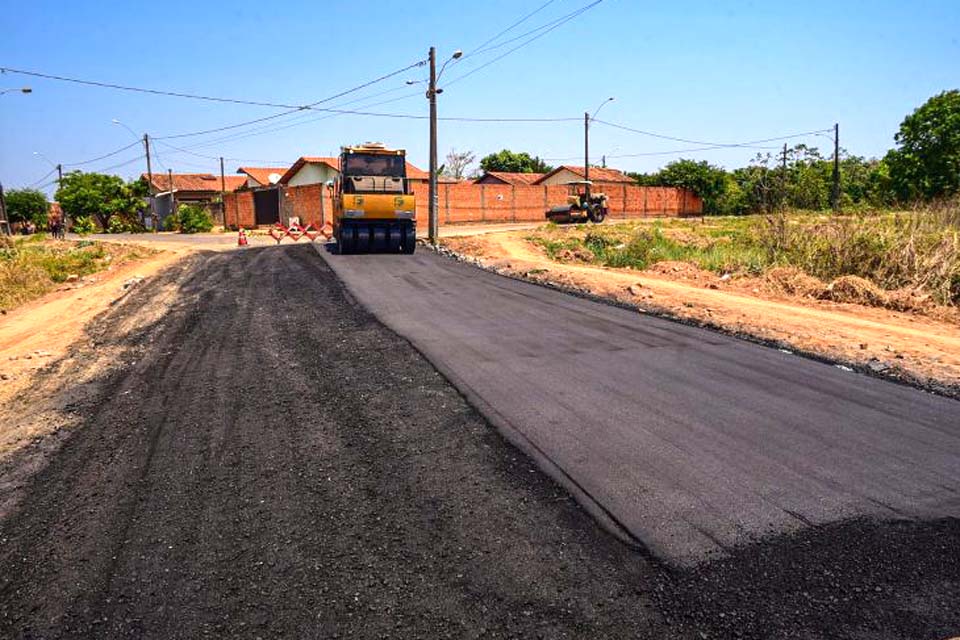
x=700, y=70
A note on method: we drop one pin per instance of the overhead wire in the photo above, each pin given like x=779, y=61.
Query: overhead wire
x=702, y=142
x=559, y=22
x=311, y=106
x=479, y=48
x=45, y=176
x=103, y=157
x=208, y=98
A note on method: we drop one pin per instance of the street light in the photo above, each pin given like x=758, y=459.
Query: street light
x=432, y=93
x=118, y=123
x=586, y=143
x=20, y=89
x=48, y=160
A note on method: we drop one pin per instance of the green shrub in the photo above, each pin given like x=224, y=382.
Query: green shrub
x=82, y=225
x=189, y=218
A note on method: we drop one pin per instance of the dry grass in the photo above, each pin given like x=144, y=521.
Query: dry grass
x=901, y=260
x=33, y=266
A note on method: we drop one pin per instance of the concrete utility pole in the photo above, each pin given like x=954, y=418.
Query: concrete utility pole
x=4, y=222
x=586, y=143
x=432, y=92
x=835, y=193
x=433, y=222
x=173, y=202
x=783, y=177
x=223, y=195
x=153, y=206
x=586, y=150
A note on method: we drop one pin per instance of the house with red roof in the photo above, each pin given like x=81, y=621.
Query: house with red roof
x=598, y=175
x=170, y=190
x=508, y=178
x=319, y=170
x=261, y=176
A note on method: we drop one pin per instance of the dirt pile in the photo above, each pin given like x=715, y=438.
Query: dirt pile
x=856, y=290
x=794, y=282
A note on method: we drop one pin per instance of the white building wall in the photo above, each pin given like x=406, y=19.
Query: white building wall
x=312, y=174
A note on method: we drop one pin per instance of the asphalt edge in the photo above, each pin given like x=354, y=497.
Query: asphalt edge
x=926, y=385
x=511, y=433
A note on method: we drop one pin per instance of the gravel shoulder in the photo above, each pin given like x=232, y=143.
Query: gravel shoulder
x=264, y=459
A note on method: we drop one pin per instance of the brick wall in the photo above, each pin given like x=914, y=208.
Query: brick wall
x=239, y=204
x=468, y=202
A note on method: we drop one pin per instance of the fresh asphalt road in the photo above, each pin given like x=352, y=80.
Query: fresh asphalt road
x=688, y=441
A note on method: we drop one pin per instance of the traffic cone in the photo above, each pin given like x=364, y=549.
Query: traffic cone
x=242, y=238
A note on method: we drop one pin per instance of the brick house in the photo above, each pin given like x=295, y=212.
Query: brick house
x=318, y=170
x=599, y=176
x=204, y=189
x=507, y=177
x=260, y=176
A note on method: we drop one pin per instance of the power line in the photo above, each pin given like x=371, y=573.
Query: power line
x=104, y=156
x=710, y=144
x=310, y=106
x=123, y=164
x=47, y=175
x=552, y=25
x=480, y=47
x=665, y=153
x=195, y=96
x=269, y=129
x=206, y=157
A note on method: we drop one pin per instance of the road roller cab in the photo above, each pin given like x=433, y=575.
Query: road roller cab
x=374, y=206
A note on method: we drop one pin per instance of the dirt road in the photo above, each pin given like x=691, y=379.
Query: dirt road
x=266, y=460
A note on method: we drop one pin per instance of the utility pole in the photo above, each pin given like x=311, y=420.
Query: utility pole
x=783, y=178
x=223, y=195
x=173, y=203
x=432, y=95
x=63, y=214
x=153, y=208
x=4, y=222
x=835, y=193
x=586, y=151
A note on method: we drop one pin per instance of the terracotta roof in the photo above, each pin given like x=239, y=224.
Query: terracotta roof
x=509, y=177
x=597, y=174
x=334, y=163
x=195, y=182
x=414, y=173
x=262, y=174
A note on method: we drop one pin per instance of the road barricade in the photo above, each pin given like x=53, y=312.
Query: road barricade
x=296, y=231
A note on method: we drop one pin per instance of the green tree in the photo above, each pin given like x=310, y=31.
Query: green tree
x=926, y=163
x=102, y=197
x=520, y=162
x=706, y=180
x=27, y=204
